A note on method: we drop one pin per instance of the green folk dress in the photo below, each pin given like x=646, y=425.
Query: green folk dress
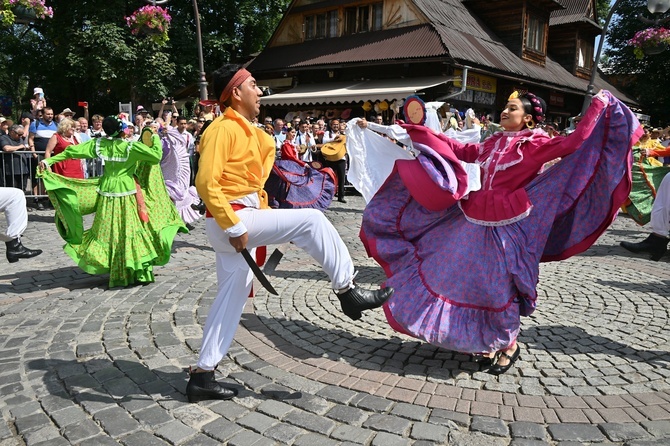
x=119, y=242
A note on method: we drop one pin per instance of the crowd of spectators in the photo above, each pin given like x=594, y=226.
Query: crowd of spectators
x=39, y=131
x=302, y=138
x=42, y=133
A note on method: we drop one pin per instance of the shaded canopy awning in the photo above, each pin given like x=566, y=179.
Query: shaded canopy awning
x=353, y=91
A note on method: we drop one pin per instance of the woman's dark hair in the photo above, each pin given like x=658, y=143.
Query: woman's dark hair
x=202, y=130
x=222, y=76
x=534, y=106
x=111, y=125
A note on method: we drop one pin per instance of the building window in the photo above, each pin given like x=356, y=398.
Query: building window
x=332, y=24
x=585, y=55
x=361, y=19
x=319, y=26
x=377, y=16
x=350, y=20
x=535, y=34
x=310, y=28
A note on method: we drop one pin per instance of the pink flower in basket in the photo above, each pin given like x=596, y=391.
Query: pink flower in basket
x=10, y=10
x=650, y=41
x=153, y=21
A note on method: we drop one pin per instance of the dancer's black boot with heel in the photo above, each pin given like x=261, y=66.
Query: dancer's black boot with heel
x=356, y=299
x=655, y=244
x=16, y=251
x=202, y=386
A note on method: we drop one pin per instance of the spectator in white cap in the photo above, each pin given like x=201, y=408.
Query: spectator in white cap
x=140, y=118
x=131, y=132
x=38, y=102
x=67, y=113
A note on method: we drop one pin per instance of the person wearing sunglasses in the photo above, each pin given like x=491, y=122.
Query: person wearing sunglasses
x=16, y=167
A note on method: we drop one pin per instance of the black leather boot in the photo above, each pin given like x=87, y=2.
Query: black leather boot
x=200, y=207
x=202, y=386
x=356, y=299
x=655, y=244
x=16, y=251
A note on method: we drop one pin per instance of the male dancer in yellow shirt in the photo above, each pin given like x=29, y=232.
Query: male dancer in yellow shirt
x=236, y=158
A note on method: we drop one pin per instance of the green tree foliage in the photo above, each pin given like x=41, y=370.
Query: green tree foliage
x=602, y=8
x=86, y=52
x=16, y=69
x=645, y=78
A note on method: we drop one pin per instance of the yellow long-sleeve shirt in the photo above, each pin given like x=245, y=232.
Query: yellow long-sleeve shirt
x=236, y=159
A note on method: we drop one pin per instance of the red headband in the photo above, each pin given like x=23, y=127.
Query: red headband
x=239, y=77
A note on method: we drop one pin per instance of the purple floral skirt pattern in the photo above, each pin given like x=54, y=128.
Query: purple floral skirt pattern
x=464, y=286
x=292, y=186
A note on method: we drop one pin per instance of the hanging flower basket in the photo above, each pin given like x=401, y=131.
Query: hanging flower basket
x=650, y=41
x=23, y=11
x=149, y=31
x=654, y=50
x=150, y=21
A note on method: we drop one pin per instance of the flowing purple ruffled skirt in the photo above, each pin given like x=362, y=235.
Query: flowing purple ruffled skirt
x=292, y=185
x=177, y=173
x=464, y=286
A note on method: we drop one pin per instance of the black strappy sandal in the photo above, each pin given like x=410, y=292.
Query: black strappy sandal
x=496, y=369
x=482, y=359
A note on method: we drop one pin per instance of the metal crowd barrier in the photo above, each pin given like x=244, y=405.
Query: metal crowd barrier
x=17, y=169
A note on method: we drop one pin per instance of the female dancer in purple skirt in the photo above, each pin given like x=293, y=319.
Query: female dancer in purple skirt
x=294, y=183
x=465, y=268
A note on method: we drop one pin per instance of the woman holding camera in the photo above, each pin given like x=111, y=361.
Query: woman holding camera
x=169, y=116
x=38, y=101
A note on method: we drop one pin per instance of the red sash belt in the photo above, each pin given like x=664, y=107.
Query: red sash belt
x=235, y=206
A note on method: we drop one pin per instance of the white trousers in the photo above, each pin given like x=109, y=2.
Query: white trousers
x=308, y=229
x=660, y=210
x=13, y=204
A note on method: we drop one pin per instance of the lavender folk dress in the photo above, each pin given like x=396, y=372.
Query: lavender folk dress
x=465, y=272
x=176, y=169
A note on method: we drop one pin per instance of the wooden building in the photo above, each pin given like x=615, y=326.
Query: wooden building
x=330, y=55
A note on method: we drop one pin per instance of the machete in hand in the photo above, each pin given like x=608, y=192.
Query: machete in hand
x=258, y=273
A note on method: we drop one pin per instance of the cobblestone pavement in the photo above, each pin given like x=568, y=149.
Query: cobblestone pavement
x=83, y=364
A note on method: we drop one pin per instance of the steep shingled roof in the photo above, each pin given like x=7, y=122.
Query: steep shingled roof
x=576, y=11
x=452, y=32
x=412, y=42
x=471, y=42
